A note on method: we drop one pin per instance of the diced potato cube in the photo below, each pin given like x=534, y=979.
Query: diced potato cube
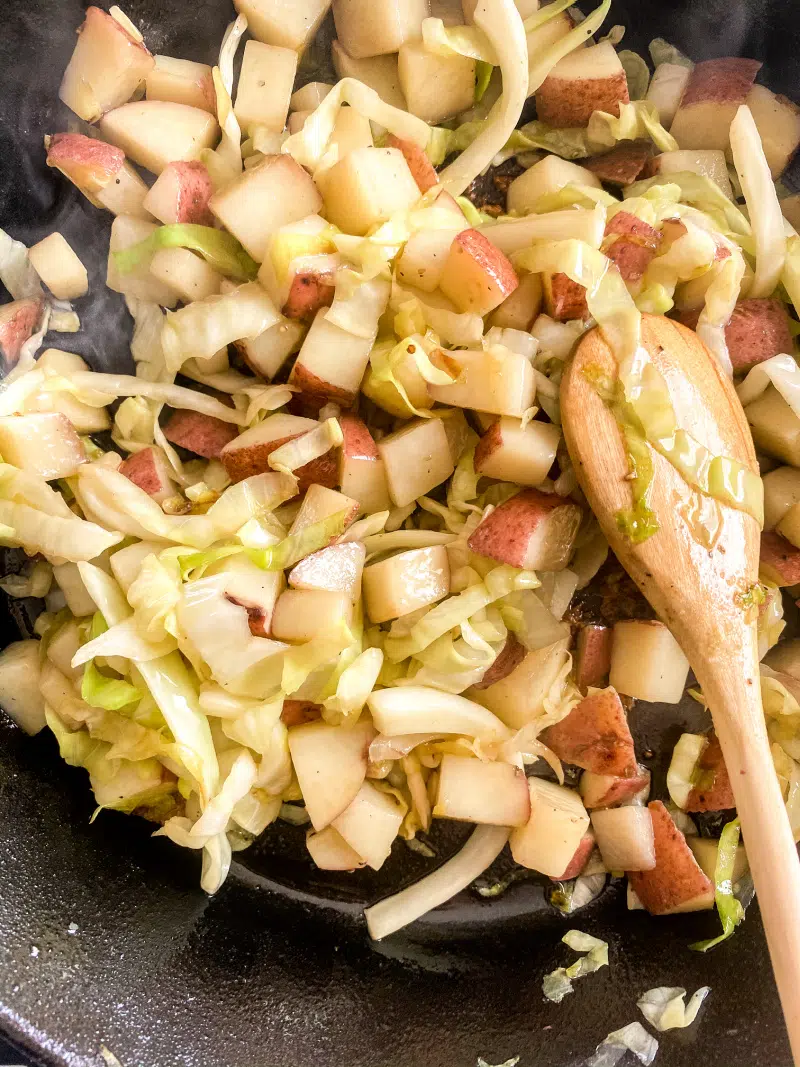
x=186, y=273
x=710, y=163
x=181, y=81
x=352, y=130
x=513, y=454
x=378, y=72
x=265, y=86
x=595, y=735
x=676, y=883
x=780, y=557
x=519, y=310
x=138, y=282
x=593, y=656
x=20, y=672
x=476, y=275
x=59, y=267
x=266, y=354
x=150, y=471
x=337, y=569
x=584, y=81
x=417, y=458
x=331, y=361
x=305, y=614
x=405, y=582
x=666, y=89
x=369, y=29
x=370, y=824
x=321, y=503
x=154, y=133
x=547, y=176
x=289, y=23
x=42, y=444
x=309, y=96
x=480, y=791
x=647, y=662
x=181, y=194
x=367, y=187
x=435, y=87
x=519, y=697
x=275, y=192
x=775, y=427
x=199, y=433
x=497, y=381
x=551, y=837
x=714, y=92
x=532, y=530
x=781, y=492
x=361, y=473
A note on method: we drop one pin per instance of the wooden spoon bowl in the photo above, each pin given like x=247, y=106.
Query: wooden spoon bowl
x=696, y=575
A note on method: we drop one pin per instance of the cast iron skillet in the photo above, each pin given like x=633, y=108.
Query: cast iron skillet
x=105, y=939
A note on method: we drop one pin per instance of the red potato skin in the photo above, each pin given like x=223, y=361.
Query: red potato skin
x=311, y=385
x=193, y=191
x=142, y=470
x=757, y=331
x=492, y=262
x=580, y=859
x=676, y=877
x=422, y=170
x=623, y=164
x=726, y=80
x=487, y=446
x=593, y=656
x=88, y=163
x=631, y=244
x=504, y=534
x=714, y=793
x=308, y=293
x=595, y=735
x=257, y=618
x=564, y=299
x=623, y=789
x=509, y=658
x=780, y=560
x=308, y=407
x=299, y=712
x=18, y=320
x=246, y=462
x=202, y=434
x=358, y=442
x=571, y=103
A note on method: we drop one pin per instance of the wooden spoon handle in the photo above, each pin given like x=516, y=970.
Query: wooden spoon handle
x=734, y=696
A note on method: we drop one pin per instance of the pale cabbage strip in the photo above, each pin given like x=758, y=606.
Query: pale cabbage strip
x=762, y=203
x=86, y=384
x=501, y=23
x=665, y=1008
x=558, y=983
x=395, y=912
x=631, y=1038
x=781, y=371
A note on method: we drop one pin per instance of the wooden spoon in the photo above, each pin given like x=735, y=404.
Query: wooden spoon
x=694, y=591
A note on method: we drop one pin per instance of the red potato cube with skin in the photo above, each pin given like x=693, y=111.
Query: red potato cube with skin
x=321, y=503
x=564, y=299
x=331, y=362
x=677, y=882
x=510, y=656
x=477, y=276
x=181, y=194
x=183, y=82
x=623, y=164
x=712, y=789
x=584, y=81
x=249, y=453
x=595, y=735
x=780, y=560
x=88, y=163
x=361, y=472
x=631, y=244
x=580, y=859
x=532, y=530
x=150, y=471
x=18, y=322
x=715, y=91
x=422, y=170
x=757, y=331
x=155, y=133
x=299, y=712
x=513, y=454
x=309, y=291
x=778, y=123
x=519, y=310
x=199, y=433
x=608, y=790
x=593, y=656
x=108, y=65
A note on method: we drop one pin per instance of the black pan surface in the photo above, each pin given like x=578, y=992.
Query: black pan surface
x=105, y=939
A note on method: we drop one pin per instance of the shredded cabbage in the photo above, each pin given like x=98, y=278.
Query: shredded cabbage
x=631, y=1038
x=782, y=371
x=664, y=1007
x=220, y=249
x=558, y=983
x=729, y=908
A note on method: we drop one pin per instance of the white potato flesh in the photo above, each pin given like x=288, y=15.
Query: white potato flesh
x=139, y=283
x=364, y=479
x=370, y=824
x=44, y=444
x=330, y=852
x=275, y=192
x=666, y=89
x=106, y=68
x=781, y=493
x=519, y=310
x=378, y=72
x=181, y=81
x=482, y=792
x=308, y=97
x=625, y=838
x=252, y=588
x=79, y=600
x=331, y=764
x=551, y=837
x=351, y=130
x=706, y=851
x=775, y=427
x=513, y=454
x=125, y=194
x=265, y=86
x=435, y=87
x=778, y=123
x=321, y=503
x=305, y=614
x=547, y=176
x=331, y=360
x=424, y=255
x=337, y=569
x=367, y=187
x=127, y=562
x=268, y=352
x=647, y=662
x=19, y=685
x=405, y=582
x=84, y=418
x=366, y=29
x=59, y=267
x=154, y=133
x=187, y=274
x=416, y=459
x=519, y=697
x=710, y=163
x=497, y=381
x=62, y=646
x=288, y=23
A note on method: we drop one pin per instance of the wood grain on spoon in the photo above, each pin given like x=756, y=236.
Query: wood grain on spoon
x=696, y=592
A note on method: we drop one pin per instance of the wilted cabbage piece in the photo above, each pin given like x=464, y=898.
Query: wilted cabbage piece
x=665, y=1007
x=631, y=1038
x=558, y=983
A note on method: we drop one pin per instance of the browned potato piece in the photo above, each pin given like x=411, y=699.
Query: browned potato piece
x=595, y=735
x=713, y=94
x=677, y=882
x=584, y=81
